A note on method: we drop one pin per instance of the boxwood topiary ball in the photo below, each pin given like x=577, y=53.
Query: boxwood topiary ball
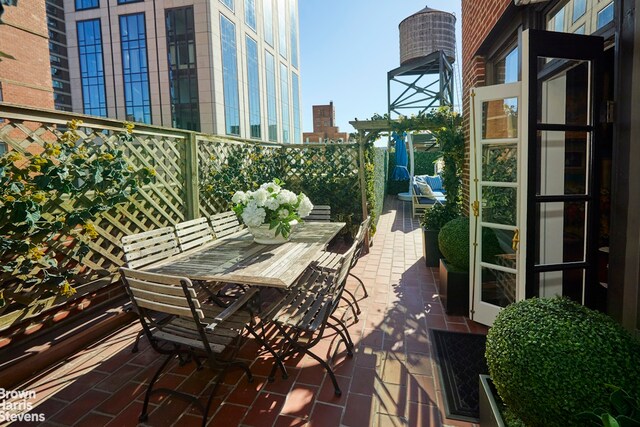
x=453, y=241
x=551, y=358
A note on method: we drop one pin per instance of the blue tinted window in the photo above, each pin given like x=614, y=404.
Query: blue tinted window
x=228, y=3
x=183, y=73
x=559, y=21
x=87, y=4
x=250, y=13
x=293, y=22
x=282, y=27
x=295, y=92
x=267, y=12
x=272, y=104
x=253, y=83
x=91, y=67
x=579, y=8
x=230, y=76
x=284, y=102
x=605, y=15
x=135, y=70
x=128, y=1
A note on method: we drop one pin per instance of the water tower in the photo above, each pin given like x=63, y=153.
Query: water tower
x=427, y=51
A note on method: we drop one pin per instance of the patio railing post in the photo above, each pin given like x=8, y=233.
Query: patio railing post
x=191, y=177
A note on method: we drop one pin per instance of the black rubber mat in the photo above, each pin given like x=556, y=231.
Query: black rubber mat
x=460, y=359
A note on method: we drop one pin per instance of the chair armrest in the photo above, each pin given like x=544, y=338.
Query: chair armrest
x=237, y=305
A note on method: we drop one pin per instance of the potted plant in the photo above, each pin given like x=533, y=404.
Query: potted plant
x=453, y=241
x=271, y=212
x=552, y=359
x=432, y=221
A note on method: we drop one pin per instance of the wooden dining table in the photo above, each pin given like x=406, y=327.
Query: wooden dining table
x=238, y=259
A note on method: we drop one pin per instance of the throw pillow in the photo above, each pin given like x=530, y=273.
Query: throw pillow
x=425, y=190
x=435, y=182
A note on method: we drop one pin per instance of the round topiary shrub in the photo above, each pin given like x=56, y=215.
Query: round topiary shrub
x=453, y=241
x=551, y=358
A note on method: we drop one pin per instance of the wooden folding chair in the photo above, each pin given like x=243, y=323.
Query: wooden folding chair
x=149, y=247
x=319, y=213
x=305, y=310
x=193, y=331
x=193, y=233
x=225, y=224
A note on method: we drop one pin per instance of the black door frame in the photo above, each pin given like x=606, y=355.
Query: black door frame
x=573, y=47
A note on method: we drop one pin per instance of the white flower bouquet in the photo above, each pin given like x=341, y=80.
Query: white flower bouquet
x=273, y=205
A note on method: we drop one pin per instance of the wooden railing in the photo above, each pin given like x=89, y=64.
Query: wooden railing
x=187, y=165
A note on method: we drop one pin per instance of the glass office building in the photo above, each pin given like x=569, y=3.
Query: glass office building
x=225, y=67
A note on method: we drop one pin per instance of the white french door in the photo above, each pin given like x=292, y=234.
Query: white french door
x=497, y=172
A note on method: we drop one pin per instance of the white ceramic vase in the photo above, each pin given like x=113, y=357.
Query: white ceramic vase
x=265, y=236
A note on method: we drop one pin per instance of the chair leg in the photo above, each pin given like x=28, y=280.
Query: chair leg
x=355, y=303
x=135, y=347
x=360, y=284
x=245, y=368
x=205, y=411
x=349, y=341
x=326, y=366
x=270, y=350
x=144, y=416
x=343, y=339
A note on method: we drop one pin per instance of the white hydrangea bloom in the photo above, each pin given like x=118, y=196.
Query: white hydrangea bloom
x=305, y=207
x=240, y=197
x=253, y=216
x=287, y=197
x=260, y=196
x=272, y=203
x=270, y=187
x=283, y=213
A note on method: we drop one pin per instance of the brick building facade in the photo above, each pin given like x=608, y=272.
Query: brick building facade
x=324, y=118
x=26, y=80
x=510, y=41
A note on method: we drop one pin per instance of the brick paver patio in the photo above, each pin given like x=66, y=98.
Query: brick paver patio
x=390, y=381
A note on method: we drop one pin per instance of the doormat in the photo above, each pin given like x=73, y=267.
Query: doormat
x=460, y=358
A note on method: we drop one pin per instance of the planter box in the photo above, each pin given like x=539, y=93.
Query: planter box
x=430, y=248
x=454, y=290
x=490, y=415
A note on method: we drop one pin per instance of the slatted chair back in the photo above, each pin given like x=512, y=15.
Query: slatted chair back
x=188, y=327
x=362, y=231
x=152, y=294
x=224, y=224
x=319, y=213
x=193, y=233
x=345, y=266
x=146, y=248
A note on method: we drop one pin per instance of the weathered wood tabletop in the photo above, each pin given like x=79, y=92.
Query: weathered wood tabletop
x=237, y=259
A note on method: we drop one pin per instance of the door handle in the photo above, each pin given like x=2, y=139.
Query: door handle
x=515, y=242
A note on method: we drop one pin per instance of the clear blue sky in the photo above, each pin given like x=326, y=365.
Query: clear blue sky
x=347, y=47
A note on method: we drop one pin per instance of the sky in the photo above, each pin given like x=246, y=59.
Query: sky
x=347, y=47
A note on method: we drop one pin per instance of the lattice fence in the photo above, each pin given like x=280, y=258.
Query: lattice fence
x=196, y=175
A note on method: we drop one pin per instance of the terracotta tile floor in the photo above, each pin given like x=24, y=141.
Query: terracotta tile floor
x=390, y=381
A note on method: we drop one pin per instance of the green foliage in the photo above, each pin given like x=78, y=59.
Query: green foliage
x=624, y=411
x=453, y=241
x=48, y=196
x=375, y=173
x=550, y=359
x=436, y=217
x=328, y=175
x=244, y=168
